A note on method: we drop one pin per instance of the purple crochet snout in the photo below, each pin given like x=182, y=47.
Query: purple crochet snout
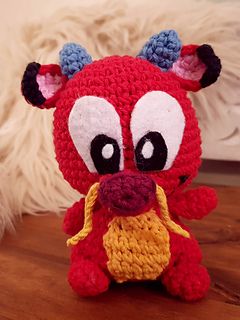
x=127, y=193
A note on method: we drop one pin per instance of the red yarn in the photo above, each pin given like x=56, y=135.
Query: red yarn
x=91, y=248
x=74, y=218
x=193, y=204
x=185, y=277
x=86, y=278
x=187, y=280
x=53, y=69
x=187, y=84
x=189, y=49
x=124, y=231
x=122, y=81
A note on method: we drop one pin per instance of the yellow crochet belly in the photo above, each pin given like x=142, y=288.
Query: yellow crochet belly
x=137, y=247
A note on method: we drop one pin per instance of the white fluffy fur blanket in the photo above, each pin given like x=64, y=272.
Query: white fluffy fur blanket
x=30, y=180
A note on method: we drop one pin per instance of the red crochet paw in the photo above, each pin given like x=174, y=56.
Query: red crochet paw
x=74, y=218
x=209, y=198
x=87, y=279
x=190, y=282
x=195, y=203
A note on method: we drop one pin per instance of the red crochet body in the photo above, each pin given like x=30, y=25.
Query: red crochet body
x=184, y=277
x=123, y=81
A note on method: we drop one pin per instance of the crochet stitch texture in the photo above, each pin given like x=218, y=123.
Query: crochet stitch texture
x=162, y=49
x=127, y=137
x=73, y=58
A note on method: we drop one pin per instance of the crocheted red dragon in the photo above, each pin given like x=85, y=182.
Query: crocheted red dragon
x=127, y=137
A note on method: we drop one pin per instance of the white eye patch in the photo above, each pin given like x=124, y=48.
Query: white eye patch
x=157, y=126
x=95, y=129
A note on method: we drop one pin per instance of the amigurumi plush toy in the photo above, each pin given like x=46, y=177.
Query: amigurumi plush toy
x=127, y=137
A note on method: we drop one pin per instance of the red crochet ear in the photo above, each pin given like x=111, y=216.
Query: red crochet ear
x=41, y=85
x=197, y=67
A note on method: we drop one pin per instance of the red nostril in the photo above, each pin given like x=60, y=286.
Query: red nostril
x=127, y=193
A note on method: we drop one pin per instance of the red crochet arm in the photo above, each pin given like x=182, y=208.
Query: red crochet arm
x=74, y=218
x=193, y=204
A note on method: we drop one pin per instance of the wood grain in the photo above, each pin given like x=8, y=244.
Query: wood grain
x=34, y=265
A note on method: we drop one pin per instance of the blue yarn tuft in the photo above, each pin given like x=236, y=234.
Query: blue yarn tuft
x=73, y=58
x=162, y=49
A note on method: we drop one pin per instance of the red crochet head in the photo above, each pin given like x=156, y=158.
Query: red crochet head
x=126, y=122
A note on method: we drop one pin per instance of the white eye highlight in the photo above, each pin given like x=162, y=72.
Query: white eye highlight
x=147, y=150
x=95, y=129
x=107, y=151
x=157, y=126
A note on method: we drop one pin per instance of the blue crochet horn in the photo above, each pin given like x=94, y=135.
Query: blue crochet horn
x=73, y=58
x=162, y=49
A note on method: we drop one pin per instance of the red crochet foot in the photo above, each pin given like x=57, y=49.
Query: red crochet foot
x=188, y=281
x=87, y=279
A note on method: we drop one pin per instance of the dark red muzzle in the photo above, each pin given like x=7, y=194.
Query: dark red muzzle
x=127, y=193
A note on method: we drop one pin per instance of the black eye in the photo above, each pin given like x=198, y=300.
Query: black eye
x=151, y=152
x=105, y=154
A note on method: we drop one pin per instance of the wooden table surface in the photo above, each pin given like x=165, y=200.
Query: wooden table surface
x=34, y=264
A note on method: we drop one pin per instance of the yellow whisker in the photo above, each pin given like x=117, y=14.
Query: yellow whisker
x=166, y=220
x=88, y=211
x=89, y=206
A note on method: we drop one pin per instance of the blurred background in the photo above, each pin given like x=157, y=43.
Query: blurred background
x=31, y=30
